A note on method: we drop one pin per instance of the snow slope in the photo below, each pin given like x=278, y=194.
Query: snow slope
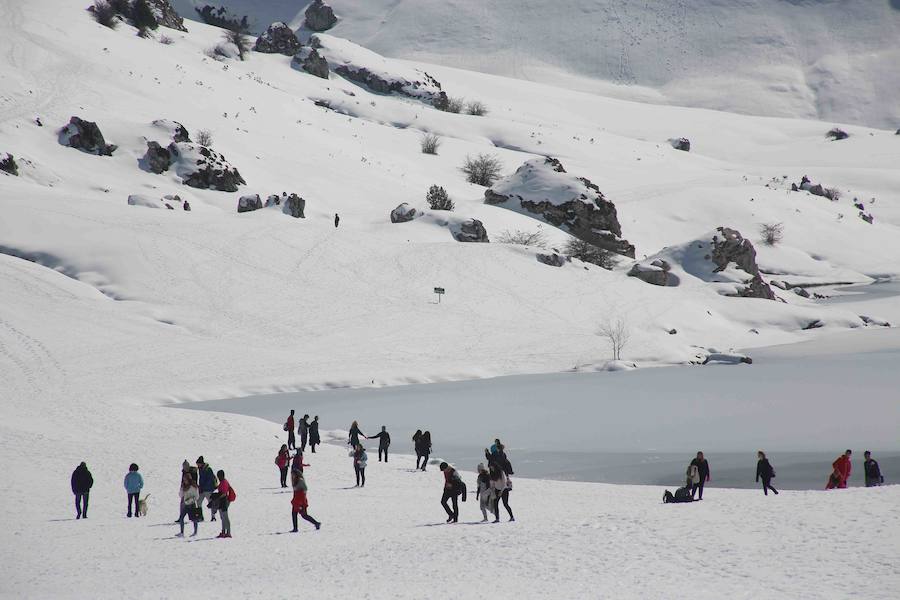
x=824, y=59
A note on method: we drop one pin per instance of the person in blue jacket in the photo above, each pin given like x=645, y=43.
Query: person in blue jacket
x=134, y=483
x=207, y=484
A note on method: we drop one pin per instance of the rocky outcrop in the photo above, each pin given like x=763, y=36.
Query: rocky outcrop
x=816, y=189
x=174, y=129
x=278, y=39
x=85, y=136
x=683, y=144
x=249, y=203
x=8, y=163
x=554, y=259
x=157, y=159
x=471, y=231
x=201, y=167
x=403, y=213
x=166, y=15
x=309, y=60
x=294, y=206
x=837, y=134
x=220, y=17
x=541, y=187
x=729, y=246
x=656, y=272
x=320, y=16
x=274, y=200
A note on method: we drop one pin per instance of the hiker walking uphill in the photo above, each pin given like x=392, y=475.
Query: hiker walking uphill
x=765, y=472
x=289, y=427
x=303, y=430
x=354, y=435
x=424, y=448
x=872, y=471
x=841, y=469
x=360, y=460
x=453, y=487
x=134, y=483
x=698, y=474
x=299, y=502
x=384, y=441
x=190, y=500
x=207, y=484
x=82, y=482
x=314, y=439
x=282, y=461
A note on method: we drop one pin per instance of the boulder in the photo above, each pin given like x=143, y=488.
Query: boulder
x=249, y=203
x=157, y=159
x=8, y=163
x=656, y=272
x=166, y=15
x=320, y=16
x=174, y=129
x=294, y=206
x=309, y=60
x=837, y=134
x=542, y=187
x=273, y=200
x=85, y=136
x=278, y=39
x=553, y=260
x=471, y=230
x=729, y=246
x=204, y=168
x=220, y=17
x=681, y=144
x=403, y=213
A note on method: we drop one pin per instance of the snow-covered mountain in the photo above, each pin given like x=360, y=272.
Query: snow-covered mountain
x=825, y=59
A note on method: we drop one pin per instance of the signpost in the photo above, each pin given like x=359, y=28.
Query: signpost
x=440, y=292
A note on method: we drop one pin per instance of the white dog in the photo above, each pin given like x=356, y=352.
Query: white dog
x=143, y=507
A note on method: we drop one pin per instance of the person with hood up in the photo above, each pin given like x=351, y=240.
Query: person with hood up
x=384, y=441
x=134, y=483
x=453, y=486
x=207, y=484
x=841, y=469
x=314, y=439
x=425, y=448
x=354, y=435
x=282, y=461
x=190, y=499
x=872, y=470
x=484, y=493
x=360, y=460
x=303, y=430
x=765, y=472
x=299, y=502
x=82, y=482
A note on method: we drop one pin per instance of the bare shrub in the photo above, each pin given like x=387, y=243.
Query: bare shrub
x=166, y=40
x=617, y=333
x=476, y=108
x=771, y=233
x=833, y=194
x=429, y=143
x=105, y=14
x=204, y=138
x=535, y=238
x=455, y=105
x=238, y=36
x=438, y=199
x=483, y=170
x=589, y=253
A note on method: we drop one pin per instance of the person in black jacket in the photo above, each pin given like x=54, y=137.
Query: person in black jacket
x=703, y=467
x=425, y=448
x=355, y=432
x=765, y=472
x=303, y=430
x=82, y=481
x=872, y=471
x=417, y=444
x=384, y=440
x=314, y=439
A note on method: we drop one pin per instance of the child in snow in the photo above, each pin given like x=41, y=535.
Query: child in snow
x=190, y=499
x=299, y=503
x=226, y=497
x=134, y=482
x=282, y=460
x=360, y=460
x=484, y=493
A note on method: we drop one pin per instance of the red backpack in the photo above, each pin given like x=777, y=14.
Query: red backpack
x=232, y=495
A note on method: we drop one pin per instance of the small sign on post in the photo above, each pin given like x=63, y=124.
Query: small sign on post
x=440, y=292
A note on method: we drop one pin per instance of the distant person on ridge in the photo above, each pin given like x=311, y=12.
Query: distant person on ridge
x=360, y=460
x=337, y=220
x=452, y=489
x=425, y=442
x=384, y=441
x=134, y=483
x=698, y=479
x=207, y=484
x=841, y=471
x=289, y=427
x=82, y=482
x=765, y=472
x=355, y=432
x=303, y=430
x=299, y=502
x=314, y=439
x=417, y=444
x=872, y=471
x=282, y=461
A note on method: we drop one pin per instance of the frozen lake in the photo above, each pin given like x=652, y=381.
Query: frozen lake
x=803, y=404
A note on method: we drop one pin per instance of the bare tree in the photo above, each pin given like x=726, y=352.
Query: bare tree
x=616, y=331
x=535, y=238
x=455, y=105
x=771, y=233
x=589, y=253
x=833, y=194
x=204, y=137
x=237, y=35
x=476, y=108
x=483, y=170
x=429, y=143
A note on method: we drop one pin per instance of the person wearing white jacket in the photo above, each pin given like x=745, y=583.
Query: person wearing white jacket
x=360, y=459
x=190, y=499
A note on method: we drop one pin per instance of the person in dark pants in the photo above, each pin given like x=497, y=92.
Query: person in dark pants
x=452, y=485
x=134, y=483
x=299, y=502
x=337, y=220
x=384, y=440
x=765, y=472
x=82, y=481
x=703, y=471
x=206, y=482
x=360, y=459
x=289, y=427
x=872, y=471
x=314, y=439
x=354, y=435
x=303, y=430
x=417, y=444
x=282, y=461
x=425, y=448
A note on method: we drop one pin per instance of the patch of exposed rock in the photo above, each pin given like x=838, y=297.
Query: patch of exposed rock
x=471, y=230
x=403, y=213
x=85, y=136
x=8, y=163
x=249, y=203
x=278, y=39
x=174, y=129
x=157, y=159
x=320, y=16
x=682, y=144
x=656, y=272
x=166, y=15
x=309, y=60
x=204, y=168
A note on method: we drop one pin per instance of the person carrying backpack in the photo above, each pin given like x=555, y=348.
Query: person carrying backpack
x=299, y=502
x=765, y=472
x=453, y=486
x=227, y=495
x=282, y=461
x=314, y=439
x=698, y=473
x=207, y=484
x=360, y=460
x=303, y=430
x=82, y=482
x=425, y=444
x=289, y=427
x=190, y=499
x=484, y=492
x=384, y=441
x=134, y=483
x=872, y=471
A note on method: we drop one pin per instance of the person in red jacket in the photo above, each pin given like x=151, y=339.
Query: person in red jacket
x=299, y=502
x=282, y=461
x=842, y=469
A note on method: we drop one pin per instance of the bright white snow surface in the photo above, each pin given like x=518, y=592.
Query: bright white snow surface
x=120, y=308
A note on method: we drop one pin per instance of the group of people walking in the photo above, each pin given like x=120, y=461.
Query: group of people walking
x=422, y=445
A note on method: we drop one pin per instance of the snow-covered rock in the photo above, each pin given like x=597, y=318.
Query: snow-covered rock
x=470, y=230
x=541, y=187
x=379, y=74
x=655, y=272
x=319, y=16
x=727, y=358
x=403, y=213
x=836, y=133
x=681, y=143
x=249, y=203
x=173, y=129
x=202, y=167
x=166, y=15
x=278, y=39
x=85, y=136
x=170, y=202
x=157, y=159
x=294, y=206
x=553, y=259
x=309, y=60
x=8, y=163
